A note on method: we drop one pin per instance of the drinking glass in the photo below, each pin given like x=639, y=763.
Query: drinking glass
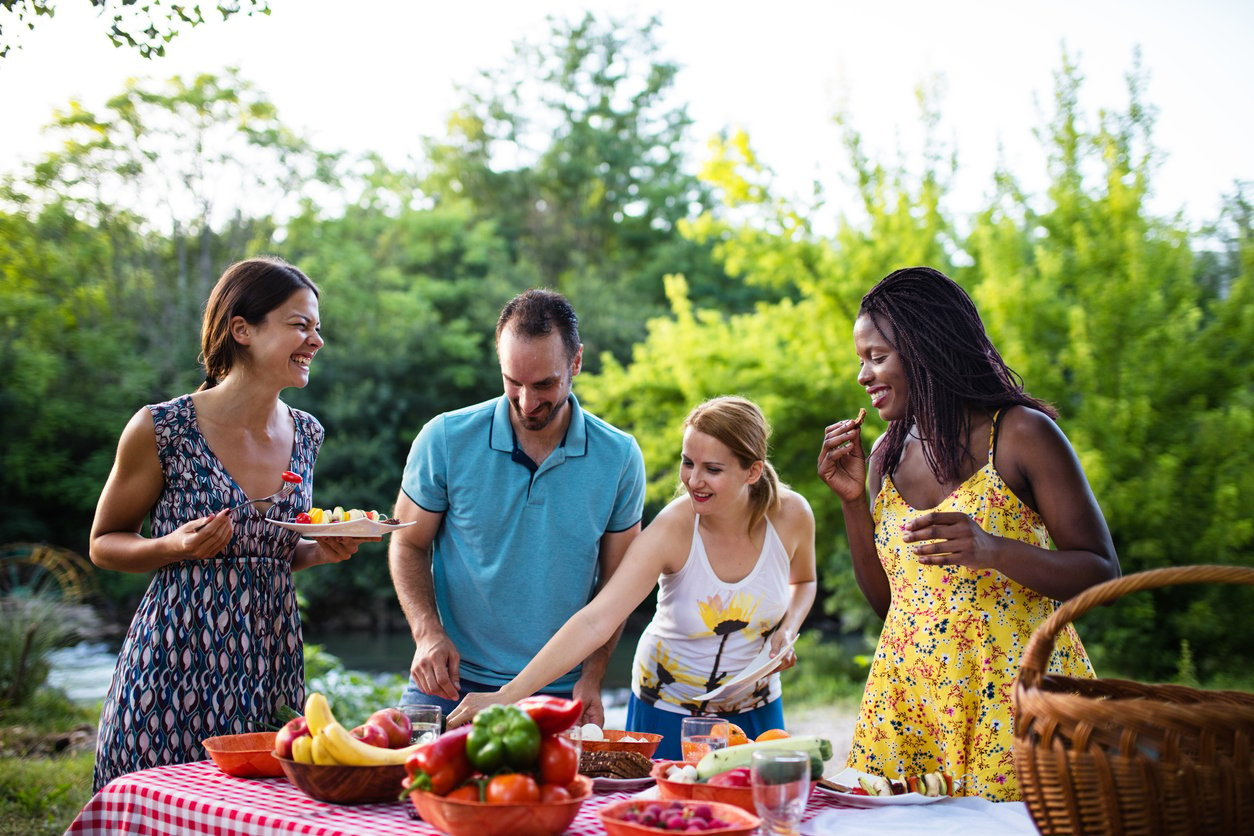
x=699, y=736
x=781, y=783
x=427, y=721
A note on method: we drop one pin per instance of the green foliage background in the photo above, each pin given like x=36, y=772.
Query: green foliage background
x=571, y=166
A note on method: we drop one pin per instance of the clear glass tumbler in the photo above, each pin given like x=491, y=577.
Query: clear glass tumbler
x=426, y=721
x=699, y=736
x=781, y=784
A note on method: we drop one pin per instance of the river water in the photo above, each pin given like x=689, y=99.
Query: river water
x=84, y=670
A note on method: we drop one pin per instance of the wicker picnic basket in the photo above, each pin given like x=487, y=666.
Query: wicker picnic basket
x=1109, y=756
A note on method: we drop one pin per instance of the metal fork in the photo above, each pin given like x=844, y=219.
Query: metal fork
x=272, y=499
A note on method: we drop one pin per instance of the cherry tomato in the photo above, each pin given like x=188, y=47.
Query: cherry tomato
x=551, y=793
x=466, y=792
x=513, y=788
x=302, y=518
x=858, y=791
x=289, y=476
x=559, y=760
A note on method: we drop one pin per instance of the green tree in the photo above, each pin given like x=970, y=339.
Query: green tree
x=575, y=151
x=146, y=28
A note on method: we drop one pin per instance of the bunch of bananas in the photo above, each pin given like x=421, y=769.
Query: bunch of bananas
x=329, y=743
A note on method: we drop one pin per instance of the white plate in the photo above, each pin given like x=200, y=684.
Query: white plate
x=621, y=784
x=849, y=778
x=352, y=528
x=761, y=665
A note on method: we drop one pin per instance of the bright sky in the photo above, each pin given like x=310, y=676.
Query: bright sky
x=378, y=74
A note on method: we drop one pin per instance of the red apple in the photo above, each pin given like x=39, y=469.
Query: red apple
x=373, y=734
x=395, y=723
x=292, y=729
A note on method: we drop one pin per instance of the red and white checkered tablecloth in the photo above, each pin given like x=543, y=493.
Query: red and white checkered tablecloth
x=198, y=798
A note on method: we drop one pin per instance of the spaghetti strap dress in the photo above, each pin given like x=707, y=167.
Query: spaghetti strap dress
x=215, y=645
x=938, y=694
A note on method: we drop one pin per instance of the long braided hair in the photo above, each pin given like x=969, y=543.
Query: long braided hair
x=951, y=367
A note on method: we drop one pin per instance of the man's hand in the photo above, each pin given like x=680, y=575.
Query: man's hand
x=590, y=695
x=436, y=668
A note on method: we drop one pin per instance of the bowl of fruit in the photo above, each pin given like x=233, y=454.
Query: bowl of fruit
x=326, y=761
x=513, y=804
x=634, y=816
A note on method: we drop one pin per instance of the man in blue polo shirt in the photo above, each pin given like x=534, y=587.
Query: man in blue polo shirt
x=524, y=505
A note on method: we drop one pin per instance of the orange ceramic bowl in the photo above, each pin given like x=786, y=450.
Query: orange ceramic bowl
x=741, y=797
x=739, y=823
x=244, y=755
x=613, y=742
x=346, y=784
x=472, y=818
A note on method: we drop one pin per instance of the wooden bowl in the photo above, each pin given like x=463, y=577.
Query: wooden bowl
x=739, y=822
x=613, y=738
x=741, y=797
x=472, y=818
x=345, y=784
x=244, y=755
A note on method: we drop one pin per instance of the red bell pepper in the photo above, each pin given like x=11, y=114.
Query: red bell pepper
x=552, y=714
x=440, y=766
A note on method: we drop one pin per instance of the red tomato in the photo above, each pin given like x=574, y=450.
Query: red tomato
x=559, y=760
x=466, y=792
x=550, y=793
x=513, y=788
x=301, y=519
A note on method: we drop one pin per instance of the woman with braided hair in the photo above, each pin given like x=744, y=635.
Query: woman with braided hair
x=981, y=520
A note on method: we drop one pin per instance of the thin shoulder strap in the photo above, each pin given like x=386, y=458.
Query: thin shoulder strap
x=992, y=435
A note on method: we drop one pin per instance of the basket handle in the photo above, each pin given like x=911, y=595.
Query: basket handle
x=1036, y=657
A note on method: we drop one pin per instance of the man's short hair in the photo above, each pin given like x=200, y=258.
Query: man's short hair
x=536, y=313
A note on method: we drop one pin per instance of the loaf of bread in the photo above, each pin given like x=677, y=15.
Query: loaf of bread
x=615, y=765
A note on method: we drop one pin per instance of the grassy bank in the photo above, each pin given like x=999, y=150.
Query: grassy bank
x=46, y=761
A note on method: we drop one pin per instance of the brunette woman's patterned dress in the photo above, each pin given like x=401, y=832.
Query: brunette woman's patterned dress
x=938, y=696
x=215, y=645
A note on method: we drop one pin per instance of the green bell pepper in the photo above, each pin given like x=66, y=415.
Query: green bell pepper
x=503, y=737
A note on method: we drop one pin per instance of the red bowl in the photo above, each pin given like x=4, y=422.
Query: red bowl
x=741, y=797
x=613, y=742
x=244, y=755
x=473, y=818
x=739, y=823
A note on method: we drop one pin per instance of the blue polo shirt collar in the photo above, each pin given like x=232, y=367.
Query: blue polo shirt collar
x=501, y=436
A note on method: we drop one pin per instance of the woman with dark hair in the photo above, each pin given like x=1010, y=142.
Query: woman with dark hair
x=734, y=557
x=972, y=483
x=215, y=644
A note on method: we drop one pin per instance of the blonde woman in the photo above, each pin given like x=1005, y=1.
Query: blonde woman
x=733, y=557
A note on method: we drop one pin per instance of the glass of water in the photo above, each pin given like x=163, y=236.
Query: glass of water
x=698, y=736
x=426, y=721
x=781, y=784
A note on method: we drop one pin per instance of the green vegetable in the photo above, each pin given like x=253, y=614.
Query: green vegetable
x=503, y=737
x=720, y=760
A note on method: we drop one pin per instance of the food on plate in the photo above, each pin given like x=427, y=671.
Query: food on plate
x=320, y=516
x=615, y=765
x=932, y=785
x=319, y=738
x=682, y=773
x=738, y=777
x=721, y=760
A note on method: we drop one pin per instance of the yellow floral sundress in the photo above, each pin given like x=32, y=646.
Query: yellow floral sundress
x=938, y=695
